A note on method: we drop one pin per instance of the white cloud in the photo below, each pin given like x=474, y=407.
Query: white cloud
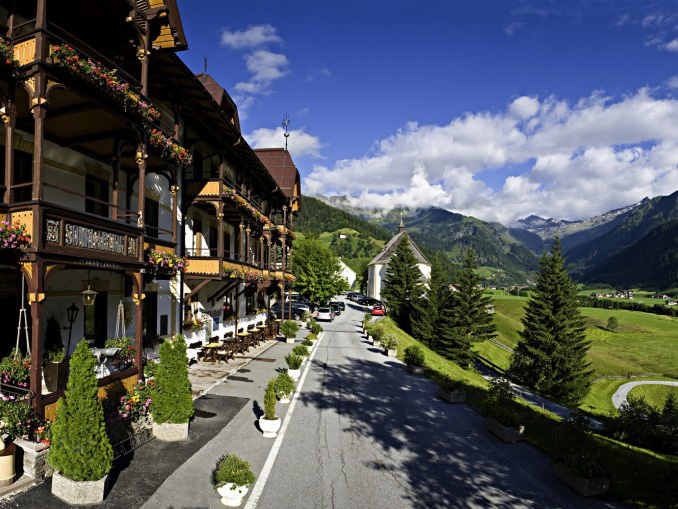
x=252, y=37
x=300, y=142
x=672, y=82
x=671, y=46
x=325, y=73
x=576, y=160
x=265, y=67
x=525, y=107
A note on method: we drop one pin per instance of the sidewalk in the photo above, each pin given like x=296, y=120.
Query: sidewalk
x=178, y=475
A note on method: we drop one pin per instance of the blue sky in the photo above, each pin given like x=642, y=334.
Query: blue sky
x=497, y=109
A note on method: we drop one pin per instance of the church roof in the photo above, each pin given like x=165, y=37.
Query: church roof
x=389, y=249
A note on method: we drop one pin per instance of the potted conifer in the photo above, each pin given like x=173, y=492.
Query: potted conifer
x=390, y=345
x=269, y=423
x=582, y=470
x=367, y=319
x=414, y=358
x=289, y=330
x=80, y=452
x=501, y=416
x=232, y=479
x=451, y=391
x=172, y=405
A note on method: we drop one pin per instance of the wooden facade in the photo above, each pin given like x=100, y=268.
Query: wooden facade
x=100, y=174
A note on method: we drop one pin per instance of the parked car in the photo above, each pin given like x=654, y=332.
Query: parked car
x=337, y=309
x=298, y=310
x=355, y=297
x=339, y=303
x=369, y=302
x=378, y=311
x=325, y=313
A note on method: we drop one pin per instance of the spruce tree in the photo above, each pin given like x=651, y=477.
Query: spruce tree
x=464, y=317
x=172, y=398
x=426, y=310
x=80, y=447
x=551, y=354
x=403, y=287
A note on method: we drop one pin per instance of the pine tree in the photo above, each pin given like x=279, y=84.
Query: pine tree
x=551, y=354
x=80, y=447
x=426, y=310
x=403, y=287
x=464, y=317
x=172, y=398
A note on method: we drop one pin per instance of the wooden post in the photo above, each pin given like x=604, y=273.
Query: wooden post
x=138, y=299
x=248, y=240
x=220, y=237
x=9, y=119
x=39, y=106
x=36, y=299
x=174, y=191
x=141, y=163
x=142, y=54
x=241, y=242
x=116, y=178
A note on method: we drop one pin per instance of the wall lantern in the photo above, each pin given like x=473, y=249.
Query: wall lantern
x=88, y=296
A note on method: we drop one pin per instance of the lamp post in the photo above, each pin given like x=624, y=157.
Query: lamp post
x=71, y=314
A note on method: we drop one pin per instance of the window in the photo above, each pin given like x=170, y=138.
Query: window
x=227, y=245
x=97, y=189
x=197, y=231
x=213, y=240
x=96, y=320
x=151, y=217
x=23, y=174
x=249, y=303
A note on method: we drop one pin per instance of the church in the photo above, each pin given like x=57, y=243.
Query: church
x=377, y=268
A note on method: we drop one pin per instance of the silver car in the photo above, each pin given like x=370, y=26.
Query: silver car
x=325, y=313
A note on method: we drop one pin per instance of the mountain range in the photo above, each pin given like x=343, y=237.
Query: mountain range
x=614, y=248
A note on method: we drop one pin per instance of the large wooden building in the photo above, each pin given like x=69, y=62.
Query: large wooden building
x=117, y=155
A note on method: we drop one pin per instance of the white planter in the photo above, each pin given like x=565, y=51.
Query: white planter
x=295, y=374
x=376, y=343
x=284, y=400
x=232, y=495
x=289, y=341
x=168, y=432
x=391, y=353
x=78, y=492
x=415, y=370
x=270, y=428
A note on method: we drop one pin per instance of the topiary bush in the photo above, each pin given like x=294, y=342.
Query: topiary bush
x=500, y=402
x=389, y=342
x=289, y=329
x=232, y=469
x=80, y=448
x=293, y=361
x=312, y=337
x=301, y=351
x=307, y=342
x=414, y=355
x=172, y=398
x=377, y=331
x=270, y=399
x=316, y=328
x=284, y=385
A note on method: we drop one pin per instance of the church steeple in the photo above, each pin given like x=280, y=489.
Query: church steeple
x=401, y=226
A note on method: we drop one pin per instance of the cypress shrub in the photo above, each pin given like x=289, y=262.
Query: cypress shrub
x=80, y=447
x=270, y=399
x=172, y=399
x=289, y=329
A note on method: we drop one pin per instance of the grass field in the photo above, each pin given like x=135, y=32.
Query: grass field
x=644, y=343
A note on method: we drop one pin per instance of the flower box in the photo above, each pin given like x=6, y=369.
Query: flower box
x=509, y=434
x=169, y=149
x=451, y=396
x=585, y=487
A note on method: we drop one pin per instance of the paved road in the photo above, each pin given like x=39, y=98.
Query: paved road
x=619, y=397
x=365, y=433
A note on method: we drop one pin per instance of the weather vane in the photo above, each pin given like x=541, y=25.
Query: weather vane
x=286, y=123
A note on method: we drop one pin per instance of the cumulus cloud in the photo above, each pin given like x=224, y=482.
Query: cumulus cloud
x=300, y=142
x=252, y=37
x=576, y=159
x=671, y=46
x=265, y=67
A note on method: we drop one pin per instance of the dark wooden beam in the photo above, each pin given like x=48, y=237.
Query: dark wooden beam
x=86, y=138
x=196, y=290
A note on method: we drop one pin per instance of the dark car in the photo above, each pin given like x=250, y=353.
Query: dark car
x=336, y=307
x=369, y=302
x=339, y=303
x=298, y=310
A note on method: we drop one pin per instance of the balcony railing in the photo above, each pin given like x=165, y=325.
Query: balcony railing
x=211, y=188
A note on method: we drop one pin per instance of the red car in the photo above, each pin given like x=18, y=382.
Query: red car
x=378, y=311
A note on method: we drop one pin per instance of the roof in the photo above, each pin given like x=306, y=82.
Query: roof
x=389, y=249
x=280, y=165
x=344, y=266
x=221, y=97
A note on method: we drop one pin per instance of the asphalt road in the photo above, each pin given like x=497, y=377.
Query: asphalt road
x=621, y=394
x=367, y=434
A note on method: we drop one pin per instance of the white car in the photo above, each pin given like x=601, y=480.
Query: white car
x=325, y=313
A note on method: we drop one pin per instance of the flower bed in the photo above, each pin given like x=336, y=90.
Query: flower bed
x=7, y=58
x=13, y=236
x=135, y=405
x=160, y=261
x=169, y=150
x=242, y=203
x=96, y=73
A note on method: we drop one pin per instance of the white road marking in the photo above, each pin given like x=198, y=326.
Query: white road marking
x=273, y=454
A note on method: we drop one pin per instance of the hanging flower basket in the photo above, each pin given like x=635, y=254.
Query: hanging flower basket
x=167, y=263
x=7, y=59
x=15, y=370
x=245, y=275
x=169, y=150
x=102, y=77
x=243, y=204
x=13, y=237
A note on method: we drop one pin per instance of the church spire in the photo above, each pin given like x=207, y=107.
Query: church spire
x=401, y=226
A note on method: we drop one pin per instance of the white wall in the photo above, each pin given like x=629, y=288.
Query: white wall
x=347, y=273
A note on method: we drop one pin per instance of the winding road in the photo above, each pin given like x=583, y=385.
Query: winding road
x=619, y=397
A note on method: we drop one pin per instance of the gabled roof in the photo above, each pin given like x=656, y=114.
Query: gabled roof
x=280, y=165
x=385, y=254
x=221, y=97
